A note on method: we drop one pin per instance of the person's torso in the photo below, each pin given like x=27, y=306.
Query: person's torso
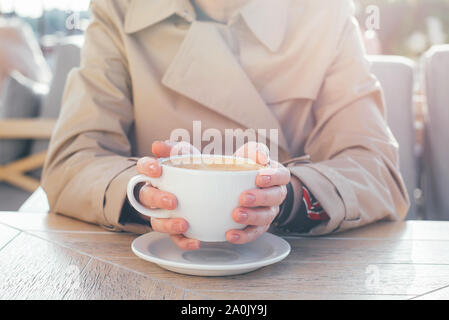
x=195, y=75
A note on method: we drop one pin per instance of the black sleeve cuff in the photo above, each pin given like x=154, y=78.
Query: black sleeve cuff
x=301, y=223
x=298, y=222
x=286, y=207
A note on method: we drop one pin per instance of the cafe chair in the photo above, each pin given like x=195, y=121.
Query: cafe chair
x=30, y=131
x=396, y=76
x=435, y=66
x=67, y=57
x=19, y=102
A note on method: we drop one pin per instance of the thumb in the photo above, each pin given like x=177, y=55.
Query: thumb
x=258, y=152
x=161, y=149
x=165, y=149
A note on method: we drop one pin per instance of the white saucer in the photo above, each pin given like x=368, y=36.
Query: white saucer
x=213, y=258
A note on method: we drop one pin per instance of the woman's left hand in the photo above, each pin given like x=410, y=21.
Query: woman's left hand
x=259, y=207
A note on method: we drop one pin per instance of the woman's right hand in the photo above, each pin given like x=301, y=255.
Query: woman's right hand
x=153, y=198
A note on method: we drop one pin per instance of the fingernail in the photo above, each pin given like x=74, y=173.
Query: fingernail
x=152, y=167
x=242, y=216
x=167, y=202
x=235, y=237
x=249, y=198
x=262, y=158
x=192, y=245
x=265, y=180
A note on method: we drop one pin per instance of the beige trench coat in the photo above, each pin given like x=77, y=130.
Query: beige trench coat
x=149, y=67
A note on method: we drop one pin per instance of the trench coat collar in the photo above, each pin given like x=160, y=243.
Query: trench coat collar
x=268, y=23
x=206, y=70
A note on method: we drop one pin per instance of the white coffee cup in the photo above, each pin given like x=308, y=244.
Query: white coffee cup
x=206, y=198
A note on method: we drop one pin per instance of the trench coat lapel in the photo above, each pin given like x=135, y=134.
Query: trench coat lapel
x=205, y=70
x=142, y=14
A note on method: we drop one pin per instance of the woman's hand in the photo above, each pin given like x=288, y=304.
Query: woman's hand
x=259, y=207
x=153, y=198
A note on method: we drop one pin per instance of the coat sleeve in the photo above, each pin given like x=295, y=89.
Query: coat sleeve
x=89, y=160
x=355, y=170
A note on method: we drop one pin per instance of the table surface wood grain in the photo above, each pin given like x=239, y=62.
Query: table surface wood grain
x=49, y=256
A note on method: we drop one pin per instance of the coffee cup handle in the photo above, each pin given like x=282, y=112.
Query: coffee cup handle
x=155, y=213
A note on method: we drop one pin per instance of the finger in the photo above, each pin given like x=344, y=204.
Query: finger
x=186, y=243
x=275, y=164
x=181, y=148
x=149, y=166
x=171, y=226
x=154, y=198
x=255, y=216
x=267, y=197
x=273, y=177
x=161, y=149
x=258, y=152
x=248, y=234
x=165, y=149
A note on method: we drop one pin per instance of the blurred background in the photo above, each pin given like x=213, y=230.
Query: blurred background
x=407, y=27
x=40, y=42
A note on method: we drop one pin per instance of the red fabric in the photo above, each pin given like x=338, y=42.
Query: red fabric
x=313, y=206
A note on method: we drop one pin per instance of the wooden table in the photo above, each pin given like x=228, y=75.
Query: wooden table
x=47, y=256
